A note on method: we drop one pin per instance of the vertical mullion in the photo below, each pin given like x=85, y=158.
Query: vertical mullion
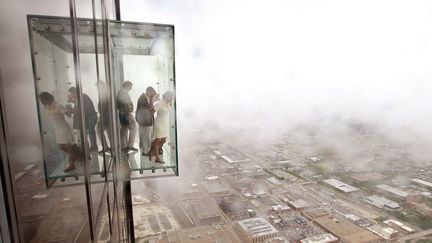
x=84, y=142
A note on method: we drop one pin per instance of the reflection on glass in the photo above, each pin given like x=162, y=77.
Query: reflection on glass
x=62, y=130
x=102, y=125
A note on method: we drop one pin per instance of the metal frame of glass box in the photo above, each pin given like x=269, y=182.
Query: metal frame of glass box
x=121, y=39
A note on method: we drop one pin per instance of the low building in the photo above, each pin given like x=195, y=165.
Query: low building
x=230, y=160
x=346, y=231
x=217, y=233
x=422, y=183
x=299, y=204
x=352, y=217
x=393, y=191
x=386, y=233
x=382, y=202
x=280, y=209
x=315, y=213
x=274, y=181
x=341, y=186
x=203, y=212
x=427, y=195
x=256, y=230
x=216, y=187
x=325, y=238
x=399, y=225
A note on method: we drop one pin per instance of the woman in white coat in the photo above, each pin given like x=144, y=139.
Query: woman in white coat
x=62, y=130
x=161, y=125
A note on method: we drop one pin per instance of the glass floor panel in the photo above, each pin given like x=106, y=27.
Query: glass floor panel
x=138, y=162
x=96, y=167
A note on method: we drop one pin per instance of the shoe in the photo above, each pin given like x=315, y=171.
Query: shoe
x=69, y=167
x=104, y=150
x=159, y=160
x=132, y=149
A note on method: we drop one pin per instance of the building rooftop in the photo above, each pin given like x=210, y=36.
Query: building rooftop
x=274, y=181
x=325, y=238
x=315, y=213
x=299, y=203
x=422, y=182
x=382, y=202
x=393, y=190
x=229, y=160
x=400, y=225
x=201, y=234
x=203, y=208
x=427, y=194
x=256, y=227
x=215, y=186
x=340, y=185
x=346, y=231
x=385, y=232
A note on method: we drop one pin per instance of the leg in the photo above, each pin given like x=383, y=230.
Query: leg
x=157, y=147
x=141, y=136
x=71, y=156
x=146, y=138
x=100, y=128
x=132, y=132
x=92, y=134
x=123, y=136
x=163, y=141
x=153, y=148
x=108, y=132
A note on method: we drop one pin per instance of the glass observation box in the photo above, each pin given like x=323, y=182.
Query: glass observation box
x=106, y=95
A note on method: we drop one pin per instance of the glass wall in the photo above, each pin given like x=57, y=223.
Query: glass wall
x=143, y=73
x=105, y=95
x=143, y=81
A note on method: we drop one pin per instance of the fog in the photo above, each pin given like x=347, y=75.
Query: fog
x=251, y=70
x=269, y=66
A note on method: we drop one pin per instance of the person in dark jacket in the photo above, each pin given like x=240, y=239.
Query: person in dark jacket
x=90, y=115
x=103, y=122
x=145, y=118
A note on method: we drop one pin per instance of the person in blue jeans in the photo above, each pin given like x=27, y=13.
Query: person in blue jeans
x=127, y=121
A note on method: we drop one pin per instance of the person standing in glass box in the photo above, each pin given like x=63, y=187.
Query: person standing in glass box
x=62, y=130
x=103, y=122
x=89, y=112
x=145, y=118
x=161, y=125
x=127, y=121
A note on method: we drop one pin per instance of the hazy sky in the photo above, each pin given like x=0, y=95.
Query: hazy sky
x=267, y=63
x=278, y=61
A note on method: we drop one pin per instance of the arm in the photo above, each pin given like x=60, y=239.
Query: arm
x=67, y=110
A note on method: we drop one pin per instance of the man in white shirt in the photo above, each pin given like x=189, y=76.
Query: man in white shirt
x=127, y=121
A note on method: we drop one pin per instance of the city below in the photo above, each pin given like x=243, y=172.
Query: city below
x=289, y=191
x=297, y=188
